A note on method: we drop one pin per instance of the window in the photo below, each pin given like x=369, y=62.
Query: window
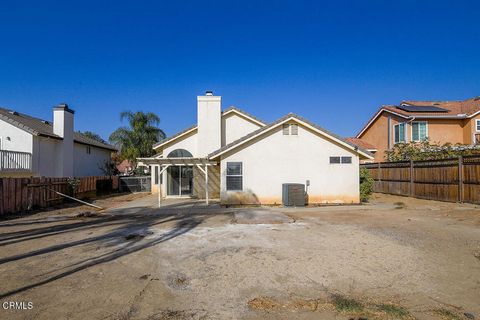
x=179, y=153
x=286, y=129
x=399, y=132
x=419, y=131
x=334, y=160
x=478, y=124
x=346, y=159
x=156, y=174
x=89, y=150
x=234, y=176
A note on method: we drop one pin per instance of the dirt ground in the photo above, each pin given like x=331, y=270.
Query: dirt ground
x=394, y=258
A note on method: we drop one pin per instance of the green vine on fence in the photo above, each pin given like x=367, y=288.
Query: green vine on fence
x=425, y=150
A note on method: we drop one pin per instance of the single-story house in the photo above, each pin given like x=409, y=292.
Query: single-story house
x=244, y=160
x=31, y=146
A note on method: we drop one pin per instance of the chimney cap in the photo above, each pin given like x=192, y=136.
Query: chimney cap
x=209, y=93
x=64, y=107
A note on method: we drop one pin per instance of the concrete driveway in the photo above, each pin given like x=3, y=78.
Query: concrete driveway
x=396, y=258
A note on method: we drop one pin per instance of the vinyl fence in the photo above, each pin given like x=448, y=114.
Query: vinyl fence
x=453, y=180
x=22, y=194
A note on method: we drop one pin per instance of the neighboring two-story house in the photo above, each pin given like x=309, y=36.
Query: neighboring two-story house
x=455, y=122
x=34, y=147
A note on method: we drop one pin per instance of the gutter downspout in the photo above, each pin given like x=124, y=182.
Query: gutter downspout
x=389, y=133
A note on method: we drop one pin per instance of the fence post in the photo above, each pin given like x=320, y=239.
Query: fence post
x=379, y=172
x=412, y=183
x=460, y=178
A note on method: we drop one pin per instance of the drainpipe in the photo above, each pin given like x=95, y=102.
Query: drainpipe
x=389, y=133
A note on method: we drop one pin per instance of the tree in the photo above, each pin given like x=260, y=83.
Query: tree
x=93, y=136
x=136, y=140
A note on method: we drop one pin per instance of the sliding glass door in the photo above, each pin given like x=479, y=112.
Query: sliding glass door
x=179, y=181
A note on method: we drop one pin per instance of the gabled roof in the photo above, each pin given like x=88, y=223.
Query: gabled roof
x=453, y=110
x=227, y=111
x=288, y=117
x=39, y=127
x=243, y=113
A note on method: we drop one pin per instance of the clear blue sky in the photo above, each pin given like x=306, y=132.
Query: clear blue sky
x=334, y=62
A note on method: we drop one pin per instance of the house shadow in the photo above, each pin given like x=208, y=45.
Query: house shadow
x=129, y=230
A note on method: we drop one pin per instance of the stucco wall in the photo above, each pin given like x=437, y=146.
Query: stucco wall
x=443, y=131
x=213, y=182
x=470, y=129
x=235, y=127
x=20, y=140
x=278, y=159
x=378, y=133
x=187, y=142
x=85, y=164
x=45, y=156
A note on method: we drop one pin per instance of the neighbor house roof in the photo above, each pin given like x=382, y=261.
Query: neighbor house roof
x=288, y=117
x=410, y=109
x=39, y=127
x=361, y=143
x=227, y=111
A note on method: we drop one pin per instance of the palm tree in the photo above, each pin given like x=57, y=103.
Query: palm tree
x=137, y=139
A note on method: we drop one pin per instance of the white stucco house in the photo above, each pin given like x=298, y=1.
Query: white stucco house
x=244, y=160
x=34, y=147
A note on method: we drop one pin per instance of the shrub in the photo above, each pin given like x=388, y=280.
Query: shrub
x=366, y=184
x=425, y=150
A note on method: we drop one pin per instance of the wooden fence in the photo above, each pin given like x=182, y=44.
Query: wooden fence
x=453, y=180
x=23, y=194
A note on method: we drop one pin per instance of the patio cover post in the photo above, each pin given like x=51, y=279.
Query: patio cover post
x=205, y=172
x=160, y=185
x=206, y=184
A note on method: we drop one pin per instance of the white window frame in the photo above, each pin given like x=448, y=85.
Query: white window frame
x=404, y=133
x=477, y=125
x=286, y=129
x=341, y=160
x=411, y=131
x=234, y=175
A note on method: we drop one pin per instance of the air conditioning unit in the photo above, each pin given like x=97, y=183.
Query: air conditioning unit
x=293, y=194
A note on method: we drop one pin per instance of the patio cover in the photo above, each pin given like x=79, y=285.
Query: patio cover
x=164, y=163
